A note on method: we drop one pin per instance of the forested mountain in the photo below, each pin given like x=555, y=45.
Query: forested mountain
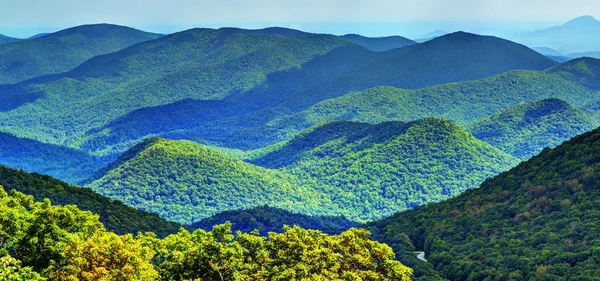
x=380, y=44
x=115, y=215
x=462, y=56
x=60, y=162
x=267, y=219
x=575, y=82
x=45, y=242
x=537, y=221
x=5, y=39
x=376, y=170
x=186, y=182
x=64, y=50
x=524, y=130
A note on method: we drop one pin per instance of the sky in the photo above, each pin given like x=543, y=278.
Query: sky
x=23, y=18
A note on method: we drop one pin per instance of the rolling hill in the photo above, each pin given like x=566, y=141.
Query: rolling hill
x=524, y=130
x=575, y=82
x=462, y=56
x=357, y=170
x=539, y=220
x=267, y=219
x=115, y=215
x=376, y=170
x=186, y=182
x=64, y=50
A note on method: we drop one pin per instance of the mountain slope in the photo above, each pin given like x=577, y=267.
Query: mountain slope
x=267, y=219
x=5, y=39
x=538, y=220
x=187, y=182
x=524, y=130
x=194, y=64
x=380, y=44
x=376, y=170
x=574, y=82
x=113, y=214
x=461, y=56
x=578, y=35
x=63, y=163
x=64, y=50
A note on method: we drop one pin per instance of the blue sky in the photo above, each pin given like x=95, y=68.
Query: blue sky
x=22, y=18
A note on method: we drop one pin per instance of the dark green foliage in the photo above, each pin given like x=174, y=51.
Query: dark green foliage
x=186, y=182
x=524, y=130
x=267, y=219
x=380, y=44
x=538, y=221
x=64, y=50
x=113, y=214
x=60, y=162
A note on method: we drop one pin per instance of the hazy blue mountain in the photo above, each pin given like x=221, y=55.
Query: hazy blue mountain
x=64, y=50
x=549, y=52
x=5, y=39
x=379, y=44
x=431, y=35
x=595, y=54
x=38, y=35
x=578, y=35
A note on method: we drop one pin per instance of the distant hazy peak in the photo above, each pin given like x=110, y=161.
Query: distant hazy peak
x=583, y=20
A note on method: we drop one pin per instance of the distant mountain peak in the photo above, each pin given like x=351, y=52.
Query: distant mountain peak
x=583, y=20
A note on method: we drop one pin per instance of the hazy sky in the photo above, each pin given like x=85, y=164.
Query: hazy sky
x=24, y=17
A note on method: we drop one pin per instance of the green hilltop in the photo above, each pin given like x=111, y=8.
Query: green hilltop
x=357, y=170
x=537, y=221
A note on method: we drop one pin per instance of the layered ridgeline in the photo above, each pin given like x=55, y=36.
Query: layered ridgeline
x=576, y=36
x=194, y=64
x=380, y=44
x=41, y=241
x=115, y=215
x=267, y=219
x=575, y=82
x=524, y=130
x=64, y=50
x=5, y=39
x=537, y=221
x=238, y=119
x=60, y=162
x=357, y=170
x=186, y=182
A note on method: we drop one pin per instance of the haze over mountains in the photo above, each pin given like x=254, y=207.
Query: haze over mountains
x=419, y=140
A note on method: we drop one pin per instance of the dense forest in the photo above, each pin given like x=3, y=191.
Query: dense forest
x=357, y=170
x=538, y=221
x=40, y=241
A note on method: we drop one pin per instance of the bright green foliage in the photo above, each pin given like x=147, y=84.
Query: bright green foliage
x=103, y=256
x=115, y=215
x=357, y=170
x=376, y=170
x=296, y=254
x=64, y=243
x=64, y=50
x=524, y=130
x=538, y=221
x=267, y=219
x=186, y=182
x=11, y=270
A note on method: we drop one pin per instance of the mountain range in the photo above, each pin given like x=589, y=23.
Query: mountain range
x=576, y=36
